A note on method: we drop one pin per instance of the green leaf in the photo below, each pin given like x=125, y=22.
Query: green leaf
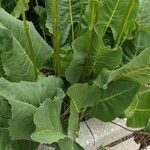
x=16, y=63
x=127, y=23
x=21, y=124
x=18, y=48
x=119, y=15
x=114, y=100
x=5, y=143
x=24, y=145
x=107, y=104
x=143, y=20
x=81, y=96
x=141, y=41
x=143, y=13
x=92, y=57
x=8, y=5
x=41, y=12
x=68, y=144
x=47, y=121
x=139, y=111
x=69, y=13
x=137, y=70
x=5, y=111
x=24, y=98
x=18, y=9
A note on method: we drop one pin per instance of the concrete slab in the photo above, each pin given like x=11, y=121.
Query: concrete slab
x=95, y=133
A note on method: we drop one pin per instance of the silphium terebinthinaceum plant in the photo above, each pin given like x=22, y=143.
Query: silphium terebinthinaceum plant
x=97, y=57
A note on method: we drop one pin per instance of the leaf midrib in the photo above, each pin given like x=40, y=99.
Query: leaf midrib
x=130, y=7
x=112, y=97
x=111, y=17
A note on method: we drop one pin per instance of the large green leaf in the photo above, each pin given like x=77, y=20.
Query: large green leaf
x=143, y=20
x=18, y=9
x=68, y=144
x=8, y=5
x=90, y=54
x=82, y=96
x=137, y=70
x=69, y=12
x=143, y=13
x=5, y=111
x=142, y=39
x=138, y=114
x=24, y=98
x=92, y=57
x=24, y=145
x=107, y=104
x=16, y=63
x=114, y=100
x=5, y=143
x=13, y=33
x=47, y=121
x=119, y=15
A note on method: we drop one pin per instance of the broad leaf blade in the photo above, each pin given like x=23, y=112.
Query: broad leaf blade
x=5, y=111
x=82, y=96
x=114, y=100
x=47, y=121
x=143, y=13
x=68, y=144
x=24, y=98
x=18, y=9
x=119, y=16
x=41, y=50
x=91, y=58
x=136, y=70
x=24, y=145
x=139, y=111
x=16, y=63
x=66, y=11
x=5, y=142
x=21, y=124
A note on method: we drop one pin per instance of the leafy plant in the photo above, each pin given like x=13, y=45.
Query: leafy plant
x=93, y=61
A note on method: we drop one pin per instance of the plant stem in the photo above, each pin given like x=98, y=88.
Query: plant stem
x=56, y=37
x=36, y=3
x=26, y=27
x=71, y=19
x=122, y=126
x=89, y=59
x=80, y=20
x=125, y=21
x=133, y=131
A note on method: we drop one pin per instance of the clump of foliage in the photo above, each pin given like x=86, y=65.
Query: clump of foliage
x=73, y=59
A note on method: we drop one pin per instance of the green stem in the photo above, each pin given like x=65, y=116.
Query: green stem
x=125, y=21
x=26, y=27
x=71, y=19
x=56, y=37
x=36, y=3
x=80, y=20
x=87, y=66
x=111, y=18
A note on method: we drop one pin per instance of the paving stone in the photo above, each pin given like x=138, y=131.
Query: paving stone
x=95, y=133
